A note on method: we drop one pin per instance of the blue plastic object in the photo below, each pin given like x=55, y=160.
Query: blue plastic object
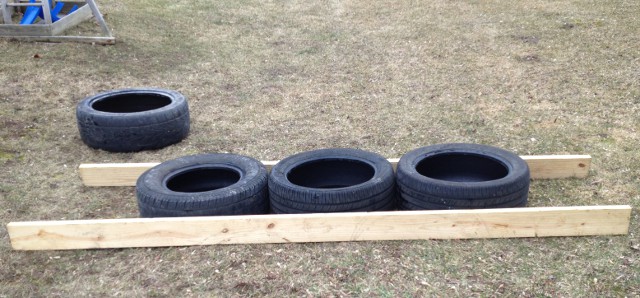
x=33, y=12
x=54, y=12
x=30, y=14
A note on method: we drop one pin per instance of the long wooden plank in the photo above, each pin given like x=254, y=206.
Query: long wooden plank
x=113, y=174
x=558, y=166
x=71, y=20
x=327, y=227
x=77, y=39
x=541, y=166
x=98, y=16
x=9, y=30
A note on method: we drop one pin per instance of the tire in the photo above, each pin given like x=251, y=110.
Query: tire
x=131, y=120
x=204, y=185
x=462, y=176
x=332, y=180
x=405, y=205
x=293, y=207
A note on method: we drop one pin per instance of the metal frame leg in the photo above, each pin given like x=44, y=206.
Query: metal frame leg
x=46, y=9
x=6, y=12
x=98, y=16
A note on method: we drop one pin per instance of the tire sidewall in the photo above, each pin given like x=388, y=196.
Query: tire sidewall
x=153, y=181
x=176, y=108
x=516, y=179
x=287, y=189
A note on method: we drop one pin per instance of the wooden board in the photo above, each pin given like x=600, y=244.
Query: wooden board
x=46, y=30
x=113, y=174
x=71, y=20
x=558, y=166
x=9, y=30
x=541, y=166
x=78, y=39
x=50, y=32
x=327, y=227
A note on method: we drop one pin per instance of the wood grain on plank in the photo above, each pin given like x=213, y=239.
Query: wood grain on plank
x=326, y=227
x=113, y=174
x=558, y=166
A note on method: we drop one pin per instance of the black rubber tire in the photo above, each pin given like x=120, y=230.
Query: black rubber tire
x=462, y=176
x=371, y=205
x=204, y=185
x=131, y=120
x=332, y=180
x=406, y=205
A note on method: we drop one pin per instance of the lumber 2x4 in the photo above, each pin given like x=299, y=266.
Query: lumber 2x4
x=326, y=227
x=321, y=227
x=541, y=167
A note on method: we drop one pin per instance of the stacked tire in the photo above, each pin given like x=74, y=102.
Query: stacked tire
x=462, y=176
x=204, y=185
x=447, y=176
x=332, y=180
x=131, y=120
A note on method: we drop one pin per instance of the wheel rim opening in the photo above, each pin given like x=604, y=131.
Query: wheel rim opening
x=331, y=173
x=462, y=167
x=202, y=179
x=131, y=103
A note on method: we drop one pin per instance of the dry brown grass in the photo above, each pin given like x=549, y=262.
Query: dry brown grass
x=272, y=78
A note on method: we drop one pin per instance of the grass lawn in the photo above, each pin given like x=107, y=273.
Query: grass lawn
x=272, y=78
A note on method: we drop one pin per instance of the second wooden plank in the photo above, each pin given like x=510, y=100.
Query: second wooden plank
x=541, y=167
x=321, y=227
